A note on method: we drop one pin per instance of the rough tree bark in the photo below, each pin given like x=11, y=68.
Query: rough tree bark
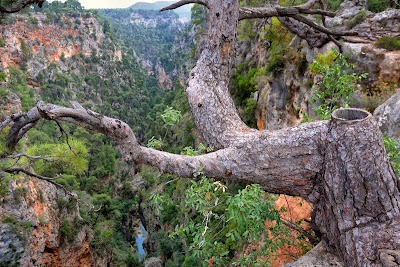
x=339, y=165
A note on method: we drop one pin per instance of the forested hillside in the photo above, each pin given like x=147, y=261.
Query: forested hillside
x=68, y=197
x=62, y=53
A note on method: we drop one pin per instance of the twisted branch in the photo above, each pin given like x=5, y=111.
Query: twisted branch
x=185, y=2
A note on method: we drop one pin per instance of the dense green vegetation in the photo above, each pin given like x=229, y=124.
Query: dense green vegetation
x=337, y=82
x=87, y=163
x=381, y=5
x=214, y=222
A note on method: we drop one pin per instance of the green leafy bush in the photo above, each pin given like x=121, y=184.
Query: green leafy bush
x=336, y=83
x=103, y=233
x=213, y=220
x=3, y=92
x=171, y=116
x=378, y=5
x=5, y=180
x=20, y=228
x=388, y=43
x=278, y=37
x=2, y=76
x=393, y=150
x=68, y=230
x=334, y=5
x=357, y=19
x=2, y=43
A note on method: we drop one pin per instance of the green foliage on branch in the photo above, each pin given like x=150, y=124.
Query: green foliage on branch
x=214, y=220
x=392, y=147
x=171, y=116
x=336, y=83
x=67, y=158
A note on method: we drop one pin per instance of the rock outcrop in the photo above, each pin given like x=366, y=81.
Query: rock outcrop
x=45, y=42
x=283, y=98
x=388, y=116
x=33, y=223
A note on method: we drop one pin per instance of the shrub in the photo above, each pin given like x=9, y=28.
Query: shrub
x=337, y=83
x=68, y=230
x=2, y=43
x=19, y=192
x=2, y=74
x=378, y=5
x=333, y=5
x=20, y=228
x=3, y=92
x=388, y=43
x=392, y=147
x=357, y=19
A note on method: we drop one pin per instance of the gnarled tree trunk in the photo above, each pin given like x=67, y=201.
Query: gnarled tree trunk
x=358, y=206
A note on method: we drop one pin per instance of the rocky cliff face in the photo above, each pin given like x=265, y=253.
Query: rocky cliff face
x=33, y=223
x=283, y=97
x=173, y=42
x=39, y=221
x=36, y=41
x=34, y=219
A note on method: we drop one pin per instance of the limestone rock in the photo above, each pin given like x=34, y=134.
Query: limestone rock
x=319, y=256
x=153, y=262
x=388, y=116
x=30, y=221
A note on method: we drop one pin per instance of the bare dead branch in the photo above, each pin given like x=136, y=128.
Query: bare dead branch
x=17, y=7
x=17, y=170
x=185, y=2
x=20, y=155
x=66, y=136
x=265, y=12
x=291, y=225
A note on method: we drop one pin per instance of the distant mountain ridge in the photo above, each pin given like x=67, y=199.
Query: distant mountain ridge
x=183, y=12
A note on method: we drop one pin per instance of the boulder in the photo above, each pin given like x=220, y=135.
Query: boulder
x=388, y=116
x=153, y=262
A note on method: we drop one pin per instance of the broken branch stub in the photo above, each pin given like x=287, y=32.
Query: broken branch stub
x=359, y=195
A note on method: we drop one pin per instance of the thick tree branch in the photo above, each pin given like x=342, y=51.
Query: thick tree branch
x=185, y=2
x=266, y=12
x=286, y=161
x=40, y=177
x=322, y=28
x=20, y=5
x=88, y=119
x=295, y=13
